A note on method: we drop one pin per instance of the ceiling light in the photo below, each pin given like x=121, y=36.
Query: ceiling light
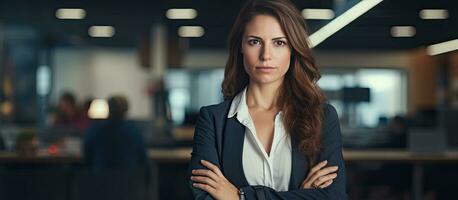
x=320, y=14
x=191, y=31
x=181, y=13
x=341, y=21
x=433, y=14
x=443, y=47
x=101, y=31
x=70, y=13
x=403, y=31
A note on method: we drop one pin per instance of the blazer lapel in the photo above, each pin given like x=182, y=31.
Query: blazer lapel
x=233, y=138
x=299, y=166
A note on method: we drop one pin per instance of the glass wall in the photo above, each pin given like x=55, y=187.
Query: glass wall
x=190, y=89
x=387, y=94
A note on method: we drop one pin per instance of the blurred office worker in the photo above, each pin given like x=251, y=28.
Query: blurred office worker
x=114, y=143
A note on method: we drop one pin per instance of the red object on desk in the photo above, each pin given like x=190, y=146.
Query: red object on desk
x=53, y=149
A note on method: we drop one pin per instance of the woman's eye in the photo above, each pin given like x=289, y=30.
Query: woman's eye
x=280, y=43
x=254, y=42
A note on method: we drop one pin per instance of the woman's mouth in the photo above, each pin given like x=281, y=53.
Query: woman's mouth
x=265, y=69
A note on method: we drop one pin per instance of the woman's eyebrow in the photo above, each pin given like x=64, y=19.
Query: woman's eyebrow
x=253, y=36
x=257, y=37
x=277, y=38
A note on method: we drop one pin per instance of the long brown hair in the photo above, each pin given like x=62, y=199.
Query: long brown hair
x=300, y=98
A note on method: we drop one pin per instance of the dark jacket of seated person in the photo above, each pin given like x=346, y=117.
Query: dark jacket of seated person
x=114, y=143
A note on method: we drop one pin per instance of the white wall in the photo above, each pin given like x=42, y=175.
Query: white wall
x=205, y=58
x=71, y=73
x=100, y=73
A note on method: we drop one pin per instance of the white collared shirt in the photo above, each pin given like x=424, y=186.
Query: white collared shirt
x=273, y=171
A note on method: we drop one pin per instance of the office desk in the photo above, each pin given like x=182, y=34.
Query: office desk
x=402, y=156
x=350, y=156
x=183, y=155
x=396, y=156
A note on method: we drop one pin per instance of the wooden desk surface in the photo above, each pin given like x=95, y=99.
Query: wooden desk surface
x=42, y=157
x=183, y=155
x=398, y=156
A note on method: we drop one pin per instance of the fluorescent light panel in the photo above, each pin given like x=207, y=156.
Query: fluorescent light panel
x=341, y=21
x=403, y=31
x=443, y=47
x=433, y=14
x=70, y=13
x=319, y=14
x=191, y=31
x=181, y=13
x=101, y=31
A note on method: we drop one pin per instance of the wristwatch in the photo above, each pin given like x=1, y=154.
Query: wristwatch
x=241, y=194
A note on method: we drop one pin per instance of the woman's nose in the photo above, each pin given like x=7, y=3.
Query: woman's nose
x=266, y=53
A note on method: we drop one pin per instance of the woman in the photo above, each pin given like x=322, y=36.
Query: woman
x=273, y=137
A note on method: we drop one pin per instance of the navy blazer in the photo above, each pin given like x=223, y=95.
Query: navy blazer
x=219, y=140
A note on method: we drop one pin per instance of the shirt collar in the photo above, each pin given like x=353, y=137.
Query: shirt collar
x=238, y=104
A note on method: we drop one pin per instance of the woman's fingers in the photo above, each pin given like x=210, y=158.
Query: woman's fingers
x=204, y=180
x=316, y=168
x=307, y=183
x=323, y=172
x=207, y=179
x=326, y=184
x=205, y=187
x=206, y=173
x=212, y=167
x=310, y=181
x=324, y=179
x=211, y=180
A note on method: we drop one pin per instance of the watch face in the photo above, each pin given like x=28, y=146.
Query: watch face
x=242, y=194
x=241, y=191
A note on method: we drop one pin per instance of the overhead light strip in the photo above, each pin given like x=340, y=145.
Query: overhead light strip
x=191, y=31
x=181, y=13
x=403, y=31
x=101, y=31
x=341, y=21
x=442, y=47
x=70, y=13
x=318, y=14
x=433, y=14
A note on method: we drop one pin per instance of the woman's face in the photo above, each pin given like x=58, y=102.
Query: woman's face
x=265, y=49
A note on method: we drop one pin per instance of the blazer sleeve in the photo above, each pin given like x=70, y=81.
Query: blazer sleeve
x=204, y=148
x=331, y=151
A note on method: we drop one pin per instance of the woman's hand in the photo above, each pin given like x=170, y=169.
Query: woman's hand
x=211, y=180
x=320, y=177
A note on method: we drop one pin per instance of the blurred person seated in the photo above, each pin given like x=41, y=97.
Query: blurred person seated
x=85, y=120
x=397, y=129
x=114, y=143
x=2, y=143
x=67, y=114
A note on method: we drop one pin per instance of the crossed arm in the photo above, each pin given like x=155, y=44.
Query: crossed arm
x=322, y=182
